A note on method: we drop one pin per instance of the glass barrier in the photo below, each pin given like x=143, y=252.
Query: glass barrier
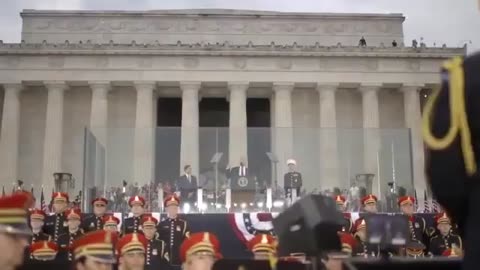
x=258, y=170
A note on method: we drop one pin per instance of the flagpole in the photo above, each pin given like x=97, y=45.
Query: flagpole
x=379, y=190
x=394, y=180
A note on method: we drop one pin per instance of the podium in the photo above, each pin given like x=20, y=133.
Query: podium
x=243, y=189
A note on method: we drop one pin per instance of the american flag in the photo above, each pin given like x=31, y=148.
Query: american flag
x=426, y=203
x=43, y=205
x=437, y=208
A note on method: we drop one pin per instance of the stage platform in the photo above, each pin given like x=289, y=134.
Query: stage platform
x=235, y=229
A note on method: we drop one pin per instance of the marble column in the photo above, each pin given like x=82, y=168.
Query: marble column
x=99, y=110
x=413, y=119
x=237, y=147
x=9, y=136
x=371, y=134
x=189, y=148
x=328, y=157
x=53, y=140
x=283, y=127
x=143, y=151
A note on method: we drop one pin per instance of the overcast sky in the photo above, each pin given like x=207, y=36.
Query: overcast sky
x=453, y=22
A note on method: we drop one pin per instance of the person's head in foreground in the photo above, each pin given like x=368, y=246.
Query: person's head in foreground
x=73, y=217
x=406, y=204
x=444, y=224
x=340, y=202
x=200, y=251
x=131, y=251
x=60, y=202
x=44, y=250
x=263, y=246
x=95, y=251
x=110, y=223
x=99, y=206
x=171, y=204
x=137, y=204
x=369, y=203
x=37, y=219
x=149, y=227
x=14, y=230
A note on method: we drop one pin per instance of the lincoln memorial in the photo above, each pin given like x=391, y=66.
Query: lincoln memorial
x=119, y=95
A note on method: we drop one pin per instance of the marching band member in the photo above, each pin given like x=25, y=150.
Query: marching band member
x=445, y=239
x=340, y=201
x=132, y=224
x=37, y=218
x=95, y=251
x=14, y=230
x=110, y=223
x=362, y=248
x=200, y=251
x=43, y=251
x=348, y=243
x=173, y=230
x=369, y=203
x=156, y=253
x=56, y=225
x=95, y=221
x=65, y=241
x=131, y=251
x=417, y=224
x=263, y=246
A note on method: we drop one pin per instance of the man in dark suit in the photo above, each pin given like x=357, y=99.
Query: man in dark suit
x=187, y=185
x=235, y=174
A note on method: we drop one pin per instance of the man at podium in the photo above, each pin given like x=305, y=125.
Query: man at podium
x=239, y=176
x=292, y=180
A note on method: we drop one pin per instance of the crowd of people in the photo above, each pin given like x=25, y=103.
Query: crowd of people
x=99, y=239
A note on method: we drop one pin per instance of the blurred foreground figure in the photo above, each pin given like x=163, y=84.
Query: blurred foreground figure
x=200, y=251
x=452, y=132
x=95, y=251
x=14, y=230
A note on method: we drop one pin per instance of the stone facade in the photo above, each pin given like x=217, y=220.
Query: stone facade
x=337, y=108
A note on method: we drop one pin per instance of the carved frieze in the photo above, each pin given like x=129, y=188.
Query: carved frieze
x=190, y=62
x=413, y=64
x=102, y=61
x=56, y=61
x=144, y=62
x=239, y=62
x=284, y=63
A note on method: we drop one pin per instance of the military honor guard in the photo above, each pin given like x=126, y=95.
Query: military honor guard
x=37, y=218
x=132, y=224
x=348, y=243
x=173, y=230
x=369, y=204
x=65, y=241
x=445, y=239
x=43, y=251
x=156, y=253
x=56, y=224
x=95, y=251
x=200, y=251
x=416, y=224
x=14, y=230
x=362, y=248
x=131, y=250
x=94, y=221
x=292, y=180
x=110, y=223
x=340, y=202
x=263, y=246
